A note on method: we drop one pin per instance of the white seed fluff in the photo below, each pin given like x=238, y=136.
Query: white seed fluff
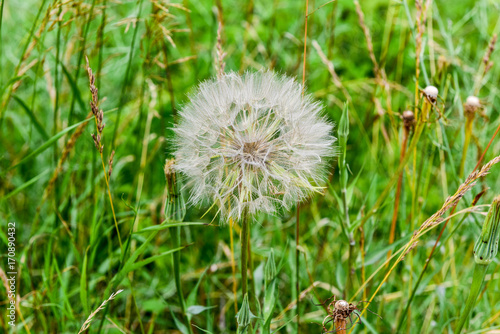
x=252, y=142
x=431, y=92
x=473, y=102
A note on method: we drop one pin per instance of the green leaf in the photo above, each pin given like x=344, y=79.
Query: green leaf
x=191, y=299
x=131, y=266
x=197, y=309
x=48, y=143
x=32, y=116
x=269, y=304
x=165, y=226
x=180, y=326
x=203, y=330
x=74, y=87
x=24, y=185
x=83, y=283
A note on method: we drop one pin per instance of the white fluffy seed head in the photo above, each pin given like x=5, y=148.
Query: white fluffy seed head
x=252, y=143
x=431, y=92
x=473, y=102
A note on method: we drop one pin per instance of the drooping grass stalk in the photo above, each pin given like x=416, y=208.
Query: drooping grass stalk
x=430, y=223
x=427, y=261
x=485, y=251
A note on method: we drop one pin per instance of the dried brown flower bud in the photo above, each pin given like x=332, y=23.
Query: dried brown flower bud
x=408, y=118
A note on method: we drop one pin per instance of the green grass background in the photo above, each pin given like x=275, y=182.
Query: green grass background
x=67, y=248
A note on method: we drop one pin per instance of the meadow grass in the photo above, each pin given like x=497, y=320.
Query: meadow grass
x=395, y=224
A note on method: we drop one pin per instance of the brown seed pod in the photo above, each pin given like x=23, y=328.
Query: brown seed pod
x=408, y=118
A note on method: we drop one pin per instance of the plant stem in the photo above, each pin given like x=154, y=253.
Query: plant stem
x=398, y=189
x=468, y=135
x=233, y=266
x=245, y=236
x=341, y=326
x=477, y=281
x=176, y=257
x=297, y=263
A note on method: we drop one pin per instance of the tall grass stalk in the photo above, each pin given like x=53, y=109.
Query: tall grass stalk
x=297, y=223
x=468, y=134
x=97, y=141
x=408, y=119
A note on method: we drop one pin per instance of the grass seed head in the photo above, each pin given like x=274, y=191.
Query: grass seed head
x=252, y=142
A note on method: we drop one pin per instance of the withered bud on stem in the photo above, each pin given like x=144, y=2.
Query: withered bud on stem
x=471, y=105
x=408, y=119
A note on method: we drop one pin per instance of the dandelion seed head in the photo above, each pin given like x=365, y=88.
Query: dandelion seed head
x=471, y=105
x=473, y=101
x=252, y=142
x=431, y=92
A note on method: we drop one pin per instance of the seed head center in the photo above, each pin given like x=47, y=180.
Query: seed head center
x=254, y=153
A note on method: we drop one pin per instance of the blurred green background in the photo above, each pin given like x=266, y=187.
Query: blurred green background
x=67, y=247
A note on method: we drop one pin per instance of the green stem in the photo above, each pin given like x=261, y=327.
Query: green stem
x=177, y=273
x=297, y=263
x=245, y=236
x=468, y=134
x=475, y=289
